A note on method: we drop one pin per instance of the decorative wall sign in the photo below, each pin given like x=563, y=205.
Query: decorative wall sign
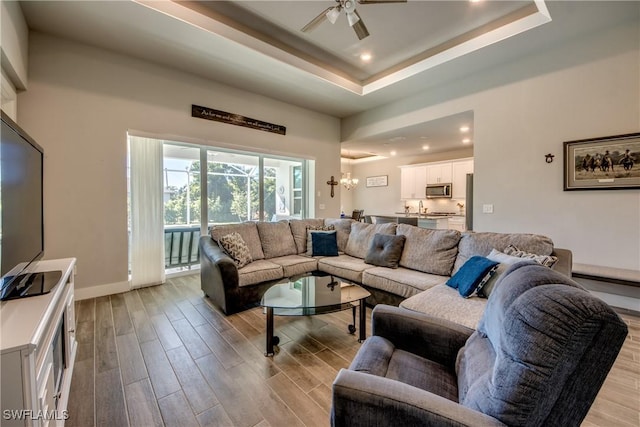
x=235, y=119
x=377, y=181
x=608, y=163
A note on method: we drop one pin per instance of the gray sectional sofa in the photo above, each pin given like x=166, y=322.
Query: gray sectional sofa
x=429, y=257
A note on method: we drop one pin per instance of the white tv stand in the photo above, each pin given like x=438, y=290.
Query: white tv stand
x=38, y=349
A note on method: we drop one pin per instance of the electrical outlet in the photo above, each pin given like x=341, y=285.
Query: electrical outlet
x=487, y=209
x=321, y=206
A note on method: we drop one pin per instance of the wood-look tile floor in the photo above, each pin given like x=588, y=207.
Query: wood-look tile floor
x=165, y=356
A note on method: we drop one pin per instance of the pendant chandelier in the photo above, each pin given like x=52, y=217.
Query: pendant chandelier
x=349, y=182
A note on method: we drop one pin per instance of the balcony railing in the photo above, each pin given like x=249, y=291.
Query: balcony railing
x=181, y=246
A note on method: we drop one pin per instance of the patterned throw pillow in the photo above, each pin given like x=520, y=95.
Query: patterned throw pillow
x=546, y=260
x=234, y=245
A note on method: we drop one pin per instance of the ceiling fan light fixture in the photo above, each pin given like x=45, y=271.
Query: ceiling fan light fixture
x=359, y=27
x=333, y=14
x=352, y=18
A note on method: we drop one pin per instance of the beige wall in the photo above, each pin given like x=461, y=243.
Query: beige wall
x=80, y=105
x=14, y=38
x=588, y=87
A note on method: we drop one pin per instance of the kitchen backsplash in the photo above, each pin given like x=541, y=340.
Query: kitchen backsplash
x=439, y=205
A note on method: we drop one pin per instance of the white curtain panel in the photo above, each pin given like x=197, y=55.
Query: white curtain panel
x=147, y=216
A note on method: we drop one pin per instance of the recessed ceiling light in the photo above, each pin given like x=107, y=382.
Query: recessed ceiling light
x=397, y=138
x=366, y=57
x=475, y=1
x=425, y=147
x=466, y=141
x=393, y=152
x=464, y=128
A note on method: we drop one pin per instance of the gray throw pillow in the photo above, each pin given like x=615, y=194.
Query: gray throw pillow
x=385, y=250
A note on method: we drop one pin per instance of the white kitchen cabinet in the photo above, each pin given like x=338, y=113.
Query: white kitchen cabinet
x=413, y=182
x=457, y=223
x=434, y=223
x=439, y=173
x=460, y=170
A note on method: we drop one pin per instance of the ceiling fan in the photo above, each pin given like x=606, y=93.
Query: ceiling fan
x=332, y=13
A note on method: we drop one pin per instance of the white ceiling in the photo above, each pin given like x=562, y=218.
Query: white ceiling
x=398, y=31
x=257, y=46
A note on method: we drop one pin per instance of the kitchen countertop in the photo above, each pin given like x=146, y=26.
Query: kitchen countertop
x=416, y=215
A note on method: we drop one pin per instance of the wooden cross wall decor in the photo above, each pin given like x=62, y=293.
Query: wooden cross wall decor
x=332, y=182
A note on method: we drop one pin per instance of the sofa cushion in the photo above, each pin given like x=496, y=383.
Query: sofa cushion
x=362, y=235
x=344, y=266
x=294, y=265
x=402, y=281
x=299, y=231
x=446, y=303
x=276, y=239
x=343, y=228
x=430, y=251
x=324, y=243
x=258, y=272
x=236, y=248
x=378, y=356
x=481, y=244
x=385, y=250
x=248, y=231
x=472, y=275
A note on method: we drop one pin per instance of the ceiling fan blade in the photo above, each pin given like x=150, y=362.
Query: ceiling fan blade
x=317, y=20
x=380, y=1
x=359, y=27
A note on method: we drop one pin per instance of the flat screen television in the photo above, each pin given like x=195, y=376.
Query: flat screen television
x=21, y=213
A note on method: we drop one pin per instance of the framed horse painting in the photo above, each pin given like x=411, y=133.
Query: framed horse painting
x=608, y=163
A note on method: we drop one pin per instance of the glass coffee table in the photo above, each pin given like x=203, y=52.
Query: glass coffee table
x=313, y=294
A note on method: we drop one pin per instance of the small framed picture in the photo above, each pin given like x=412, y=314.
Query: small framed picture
x=608, y=163
x=377, y=181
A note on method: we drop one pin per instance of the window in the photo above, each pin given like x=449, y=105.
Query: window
x=238, y=186
x=296, y=190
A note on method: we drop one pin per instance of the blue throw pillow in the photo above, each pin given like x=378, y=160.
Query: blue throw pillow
x=472, y=275
x=324, y=244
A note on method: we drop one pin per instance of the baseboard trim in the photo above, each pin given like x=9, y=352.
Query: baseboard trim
x=101, y=290
x=619, y=301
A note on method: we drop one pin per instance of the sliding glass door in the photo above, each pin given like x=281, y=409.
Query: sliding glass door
x=237, y=186
x=182, y=199
x=244, y=187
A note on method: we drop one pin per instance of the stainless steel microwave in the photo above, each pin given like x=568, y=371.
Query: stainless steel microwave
x=438, y=191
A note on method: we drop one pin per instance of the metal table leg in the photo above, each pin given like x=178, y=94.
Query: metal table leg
x=269, y=350
x=363, y=320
